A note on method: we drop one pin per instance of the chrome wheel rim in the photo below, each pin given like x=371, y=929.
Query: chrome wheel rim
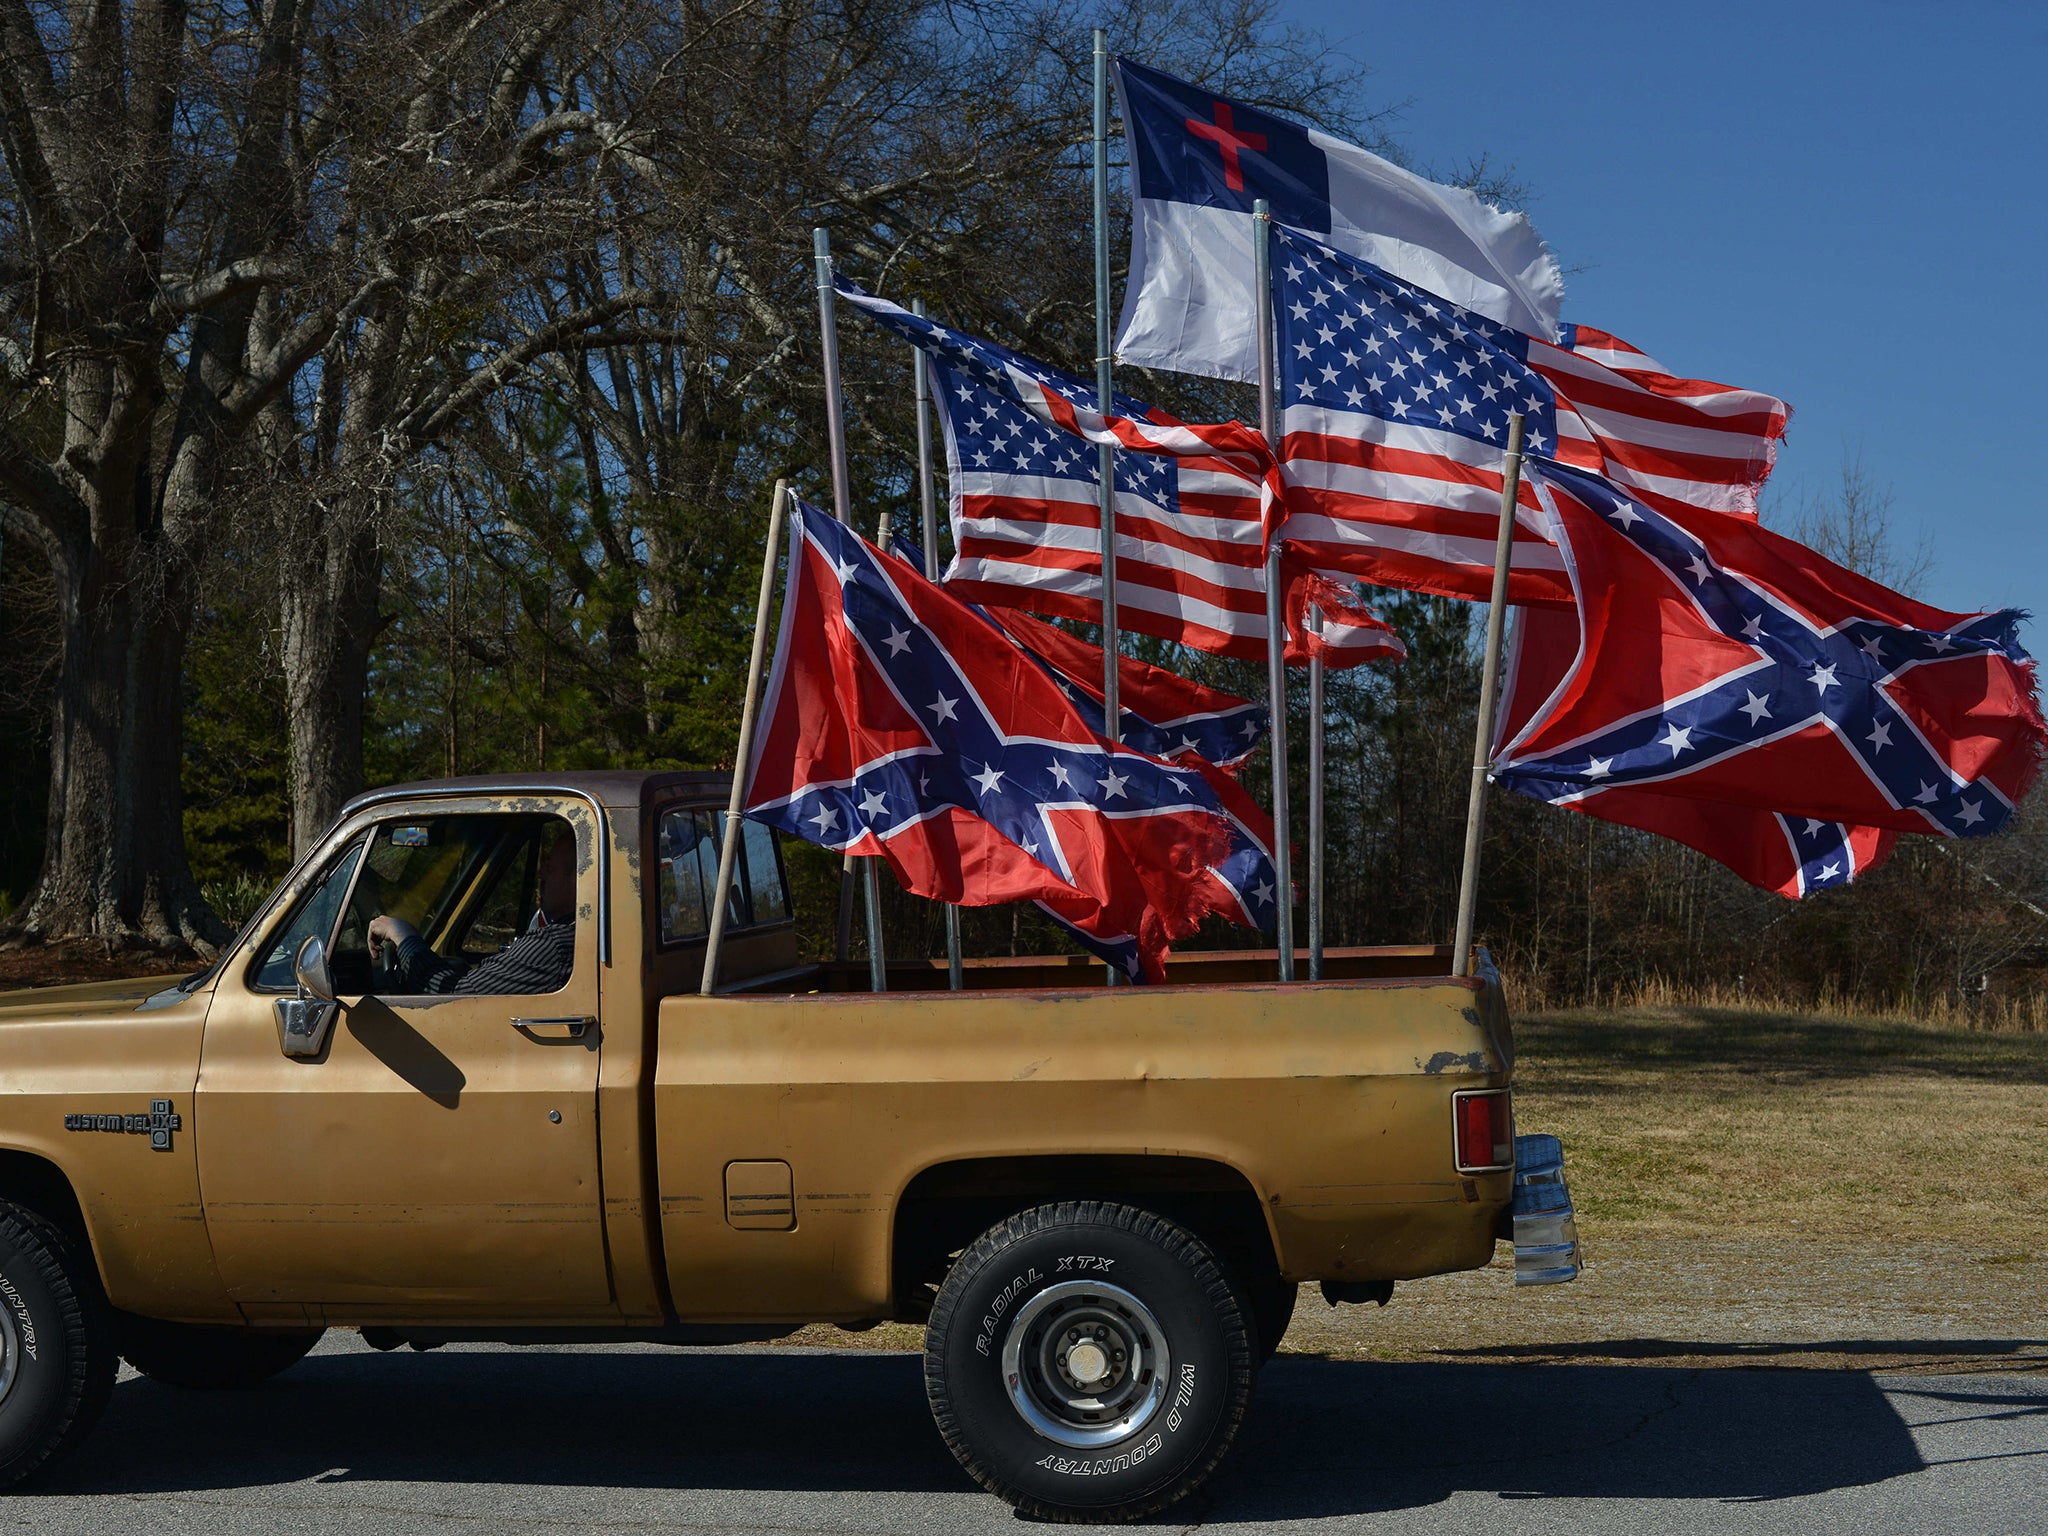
x=1086, y=1364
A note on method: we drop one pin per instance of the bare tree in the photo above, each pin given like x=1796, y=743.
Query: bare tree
x=270, y=270
x=252, y=247
x=1855, y=524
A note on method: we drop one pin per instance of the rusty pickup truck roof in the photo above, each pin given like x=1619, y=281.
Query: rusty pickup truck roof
x=615, y=788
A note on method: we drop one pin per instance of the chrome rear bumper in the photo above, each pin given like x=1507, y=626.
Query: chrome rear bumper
x=1546, y=1229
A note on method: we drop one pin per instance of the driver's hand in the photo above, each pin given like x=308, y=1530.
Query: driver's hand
x=385, y=929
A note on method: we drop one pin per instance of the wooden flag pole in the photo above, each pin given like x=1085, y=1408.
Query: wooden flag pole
x=1276, y=617
x=1489, y=687
x=928, y=524
x=835, y=432
x=871, y=868
x=728, y=853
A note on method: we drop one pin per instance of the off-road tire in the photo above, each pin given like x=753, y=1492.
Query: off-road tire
x=211, y=1359
x=1269, y=1307
x=56, y=1344
x=1026, y=1277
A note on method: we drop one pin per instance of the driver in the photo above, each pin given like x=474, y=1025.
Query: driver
x=539, y=960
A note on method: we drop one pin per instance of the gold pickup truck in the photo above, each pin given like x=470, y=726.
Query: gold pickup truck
x=454, y=1081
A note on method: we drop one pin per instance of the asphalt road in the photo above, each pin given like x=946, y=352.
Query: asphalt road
x=640, y=1439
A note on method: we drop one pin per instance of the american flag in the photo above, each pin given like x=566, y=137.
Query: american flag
x=1722, y=662
x=1672, y=442
x=1394, y=414
x=1027, y=534
x=1190, y=518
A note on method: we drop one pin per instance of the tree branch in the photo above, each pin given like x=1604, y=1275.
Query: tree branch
x=428, y=419
x=237, y=278
x=39, y=491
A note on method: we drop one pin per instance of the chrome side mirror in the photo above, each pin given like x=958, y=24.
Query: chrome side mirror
x=303, y=1022
x=309, y=969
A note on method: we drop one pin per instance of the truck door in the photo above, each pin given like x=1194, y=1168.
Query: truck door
x=439, y=1159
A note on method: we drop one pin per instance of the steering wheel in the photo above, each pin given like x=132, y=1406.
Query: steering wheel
x=384, y=969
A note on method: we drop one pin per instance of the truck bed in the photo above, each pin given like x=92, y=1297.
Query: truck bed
x=802, y=1114
x=1049, y=973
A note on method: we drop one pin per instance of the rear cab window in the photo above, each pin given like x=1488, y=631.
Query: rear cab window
x=687, y=848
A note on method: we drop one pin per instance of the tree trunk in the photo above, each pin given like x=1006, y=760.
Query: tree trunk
x=330, y=580
x=114, y=867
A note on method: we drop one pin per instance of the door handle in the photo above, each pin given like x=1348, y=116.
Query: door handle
x=576, y=1024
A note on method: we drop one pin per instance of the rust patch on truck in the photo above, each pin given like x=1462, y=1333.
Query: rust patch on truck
x=1444, y=1061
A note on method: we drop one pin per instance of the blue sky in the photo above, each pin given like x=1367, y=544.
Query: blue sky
x=1841, y=204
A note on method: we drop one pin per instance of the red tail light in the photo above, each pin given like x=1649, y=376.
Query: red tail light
x=1485, y=1129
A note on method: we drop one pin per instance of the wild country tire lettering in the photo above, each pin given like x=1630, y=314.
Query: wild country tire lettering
x=1182, y=1396
x=1123, y=1461
x=22, y=1319
x=1103, y=1465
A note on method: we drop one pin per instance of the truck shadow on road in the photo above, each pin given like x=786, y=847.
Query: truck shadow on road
x=1324, y=1437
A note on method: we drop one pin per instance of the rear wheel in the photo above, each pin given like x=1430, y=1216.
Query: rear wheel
x=57, y=1358
x=1088, y=1362
x=187, y=1355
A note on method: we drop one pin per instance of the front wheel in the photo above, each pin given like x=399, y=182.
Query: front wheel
x=1088, y=1362
x=57, y=1359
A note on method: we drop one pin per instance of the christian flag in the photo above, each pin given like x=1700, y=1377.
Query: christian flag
x=1198, y=162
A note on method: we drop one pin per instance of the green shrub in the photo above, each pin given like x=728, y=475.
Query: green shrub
x=235, y=898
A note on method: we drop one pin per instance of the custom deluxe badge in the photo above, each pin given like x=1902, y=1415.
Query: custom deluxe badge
x=157, y=1124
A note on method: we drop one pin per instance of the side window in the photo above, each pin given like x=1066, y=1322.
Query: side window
x=688, y=850
x=689, y=871
x=317, y=912
x=468, y=885
x=770, y=897
x=510, y=889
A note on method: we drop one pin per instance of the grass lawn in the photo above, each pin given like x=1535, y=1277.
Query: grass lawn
x=1713, y=1123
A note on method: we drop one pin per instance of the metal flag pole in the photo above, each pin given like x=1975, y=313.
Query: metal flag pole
x=1315, y=801
x=728, y=853
x=1112, y=710
x=928, y=525
x=835, y=431
x=1276, y=618
x=1489, y=686
x=1112, y=704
